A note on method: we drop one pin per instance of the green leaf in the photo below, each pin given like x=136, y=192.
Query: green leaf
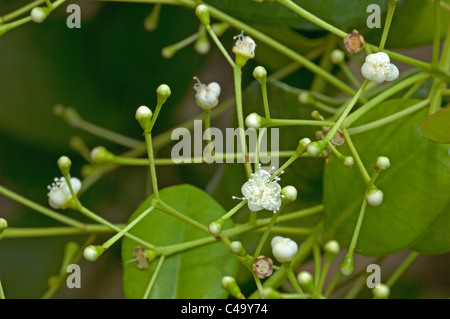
x=340, y=13
x=437, y=126
x=194, y=273
x=437, y=240
x=414, y=186
x=412, y=25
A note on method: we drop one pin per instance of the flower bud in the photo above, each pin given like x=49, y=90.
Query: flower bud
x=202, y=45
x=215, y=227
x=237, y=248
x=337, y=56
x=288, y=194
x=64, y=164
x=260, y=74
x=230, y=285
x=331, y=249
x=202, y=13
x=100, y=155
x=306, y=282
x=262, y=267
x=38, y=14
x=383, y=163
x=144, y=117
x=381, y=292
x=374, y=197
x=347, y=266
x=270, y=293
x=306, y=98
x=253, y=120
x=315, y=148
x=3, y=225
x=303, y=145
x=91, y=253
x=284, y=249
x=163, y=92
x=348, y=161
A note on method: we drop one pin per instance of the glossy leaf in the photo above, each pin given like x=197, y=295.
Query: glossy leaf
x=412, y=25
x=194, y=273
x=437, y=126
x=414, y=186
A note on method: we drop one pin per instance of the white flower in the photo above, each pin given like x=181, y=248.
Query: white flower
x=206, y=96
x=378, y=68
x=59, y=193
x=383, y=163
x=283, y=249
x=262, y=192
x=244, y=46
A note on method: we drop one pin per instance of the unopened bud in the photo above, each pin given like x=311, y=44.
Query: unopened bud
x=337, y=56
x=331, y=249
x=348, y=161
x=230, y=285
x=383, y=163
x=253, y=120
x=3, y=225
x=64, y=164
x=260, y=74
x=144, y=117
x=163, y=92
x=100, y=155
x=270, y=293
x=91, y=253
x=303, y=145
x=288, y=194
x=374, y=197
x=215, y=227
x=237, y=248
x=306, y=282
x=202, y=13
x=382, y=291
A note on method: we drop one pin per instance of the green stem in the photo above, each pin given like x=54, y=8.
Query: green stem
x=319, y=84
x=41, y=209
x=220, y=46
x=383, y=96
x=292, y=279
x=234, y=210
x=13, y=232
x=323, y=276
x=286, y=164
x=2, y=293
x=240, y=116
x=349, y=74
x=125, y=230
x=174, y=213
x=207, y=131
x=287, y=122
x=265, y=100
x=388, y=119
x=344, y=115
x=402, y=268
x=151, y=159
x=387, y=24
x=154, y=276
x=23, y=10
x=266, y=234
x=412, y=90
x=312, y=18
x=317, y=265
x=348, y=261
x=89, y=214
x=437, y=33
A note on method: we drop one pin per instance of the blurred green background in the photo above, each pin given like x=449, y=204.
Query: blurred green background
x=106, y=70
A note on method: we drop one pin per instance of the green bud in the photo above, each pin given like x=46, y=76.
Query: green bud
x=337, y=56
x=219, y=28
x=100, y=155
x=270, y=293
x=202, y=13
x=306, y=282
x=306, y=98
x=77, y=144
x=144, y=117
x=230, y=285
x=202, y=45
x=331, y=249
x=68, y=114
x=347, y=266
x=163, y=92
x=3, y=225
x=260, y=74
x=315, y=148
x=302, y=145
x=64, y=164
x=237, y=248
x=152, y=20
x=381, y=292
x=288, y=194
x=91, y=253
x=348, y=161
x=39, y=14
x=71, y=249
x=253, y=120
x=168, y=51
x=215, y=227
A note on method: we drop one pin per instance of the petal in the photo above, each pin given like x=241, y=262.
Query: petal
x=253, y=206
x=245, y=189
x=393, y=73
